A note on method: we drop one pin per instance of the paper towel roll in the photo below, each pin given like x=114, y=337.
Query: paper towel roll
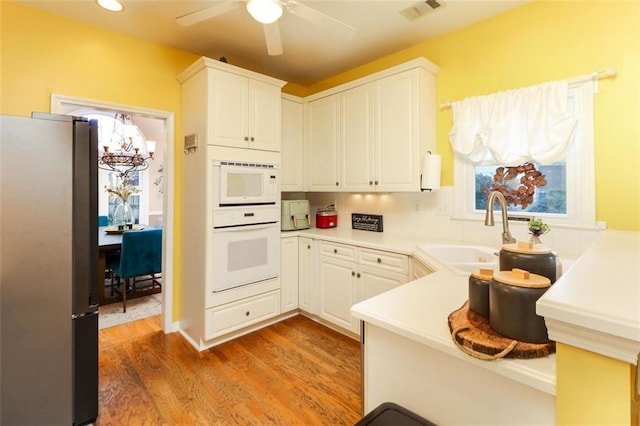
x=431, y=168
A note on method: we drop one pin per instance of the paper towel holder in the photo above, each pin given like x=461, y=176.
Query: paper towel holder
x=430, y=186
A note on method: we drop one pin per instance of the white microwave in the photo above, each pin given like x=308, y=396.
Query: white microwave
x=238, y=183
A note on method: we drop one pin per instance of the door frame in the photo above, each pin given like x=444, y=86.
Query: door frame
x=58, y=105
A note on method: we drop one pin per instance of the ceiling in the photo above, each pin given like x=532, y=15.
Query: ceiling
x=311, y=53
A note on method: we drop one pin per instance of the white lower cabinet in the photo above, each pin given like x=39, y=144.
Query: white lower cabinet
x=289, y=264
x=338, y=291
x=374, y=281
x=236, y=315
x=349, y=274
x=305, y=274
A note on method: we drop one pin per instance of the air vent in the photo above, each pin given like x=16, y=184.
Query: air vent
x=420, y=9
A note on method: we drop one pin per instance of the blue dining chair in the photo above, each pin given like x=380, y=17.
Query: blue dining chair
x=140, y=255
x=103, y=220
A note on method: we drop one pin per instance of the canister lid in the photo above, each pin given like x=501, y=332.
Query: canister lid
x=483, y=274
x=526, y=248
x=521, y=278
x=330, y=209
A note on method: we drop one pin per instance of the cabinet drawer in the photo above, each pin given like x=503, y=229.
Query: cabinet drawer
x=338, y=251
x=384, y=260
x=233, y=316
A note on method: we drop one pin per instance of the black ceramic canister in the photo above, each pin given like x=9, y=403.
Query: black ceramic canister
x=536, y=259
x=479, y=291
x=512, y=300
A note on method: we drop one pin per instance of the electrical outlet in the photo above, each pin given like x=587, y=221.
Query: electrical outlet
x=442, y=210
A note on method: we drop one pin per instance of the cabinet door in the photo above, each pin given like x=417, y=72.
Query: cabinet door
x=305, y=274
x=397, y=143
x=264, y=116
x=323, y=162
x=337, y=292
x=375, y=281
x=356, y=111
x=288, y=274
x=228, y=95
x=292, y=163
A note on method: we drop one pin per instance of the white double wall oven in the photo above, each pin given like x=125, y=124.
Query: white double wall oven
x=245, y=235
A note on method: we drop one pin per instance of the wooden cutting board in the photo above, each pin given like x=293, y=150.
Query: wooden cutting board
x=474, y=336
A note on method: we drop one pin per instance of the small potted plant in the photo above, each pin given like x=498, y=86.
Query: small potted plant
x=536, y=228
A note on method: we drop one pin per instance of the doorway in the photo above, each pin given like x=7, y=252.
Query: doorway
x=61, y=104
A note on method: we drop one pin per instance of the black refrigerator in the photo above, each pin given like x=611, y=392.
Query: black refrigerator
x=48, y=270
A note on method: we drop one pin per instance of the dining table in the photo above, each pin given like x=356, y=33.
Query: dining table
x=109, y=242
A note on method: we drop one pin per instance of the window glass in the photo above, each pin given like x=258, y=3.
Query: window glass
x=548, y=198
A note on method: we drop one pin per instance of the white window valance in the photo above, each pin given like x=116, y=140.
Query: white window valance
x=514, y=126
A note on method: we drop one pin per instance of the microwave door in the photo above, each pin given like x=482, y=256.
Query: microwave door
x=241, y=185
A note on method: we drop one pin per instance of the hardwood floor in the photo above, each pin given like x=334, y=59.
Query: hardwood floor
x=296, y=372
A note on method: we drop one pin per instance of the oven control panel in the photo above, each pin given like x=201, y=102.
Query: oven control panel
x=246, y=215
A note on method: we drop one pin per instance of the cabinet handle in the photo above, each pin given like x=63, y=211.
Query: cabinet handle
x=337, y=183
x=309, y=246
x=376, y=182
x=358, y=275
x=246, y=314
x=252, y=139
x=246, y=138
x=335, y=251
x=379, y=260
x=353, y=273
x=370, y=182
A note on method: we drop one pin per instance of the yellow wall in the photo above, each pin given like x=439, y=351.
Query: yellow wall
x=44, y=54
x=542, y=41
x=592, y=389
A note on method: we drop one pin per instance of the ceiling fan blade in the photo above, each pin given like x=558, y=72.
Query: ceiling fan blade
x=208, y=13
x=272, y=36
x=320, y=19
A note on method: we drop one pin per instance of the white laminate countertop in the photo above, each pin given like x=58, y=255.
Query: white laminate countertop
x=419, y=310
x=596, y=304
x=397, y=243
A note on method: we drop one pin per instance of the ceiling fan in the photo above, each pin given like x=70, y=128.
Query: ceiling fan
x=268, y=12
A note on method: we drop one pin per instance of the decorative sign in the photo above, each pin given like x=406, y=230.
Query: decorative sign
x=366, y=222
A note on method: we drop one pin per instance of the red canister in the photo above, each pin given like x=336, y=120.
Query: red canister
x=327, y=217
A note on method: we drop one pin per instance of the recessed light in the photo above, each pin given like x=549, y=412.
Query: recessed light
x=113, y=5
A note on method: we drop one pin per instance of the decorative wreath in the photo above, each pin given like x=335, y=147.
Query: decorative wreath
x=530, y=179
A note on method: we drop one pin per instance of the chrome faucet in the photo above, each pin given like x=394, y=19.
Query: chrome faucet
x=488, y=217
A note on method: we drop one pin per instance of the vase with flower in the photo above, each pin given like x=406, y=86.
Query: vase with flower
x=122, y=189
x=537, y=228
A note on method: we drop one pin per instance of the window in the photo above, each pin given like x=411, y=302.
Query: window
x=569, y=194
x=112, y=130
x=113, y=202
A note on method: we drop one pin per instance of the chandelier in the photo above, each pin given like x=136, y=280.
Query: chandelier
x=124, y=150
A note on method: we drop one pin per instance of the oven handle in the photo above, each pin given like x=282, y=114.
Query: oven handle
x=240, y=228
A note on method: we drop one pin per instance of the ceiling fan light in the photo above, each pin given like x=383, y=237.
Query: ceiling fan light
x=264, y=11
x=112, y=5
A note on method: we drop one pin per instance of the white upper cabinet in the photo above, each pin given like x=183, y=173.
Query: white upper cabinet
x=371, y=134
x=357, y=143
x=398, y=134
x=240, y=108
x=323, y=137
x=292, y=166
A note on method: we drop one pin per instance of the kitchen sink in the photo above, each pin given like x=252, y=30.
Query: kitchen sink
x=462, y=259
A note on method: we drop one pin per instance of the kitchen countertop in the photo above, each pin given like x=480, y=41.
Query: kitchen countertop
x=596, y=304
x=398, y=243
x=419, y=310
